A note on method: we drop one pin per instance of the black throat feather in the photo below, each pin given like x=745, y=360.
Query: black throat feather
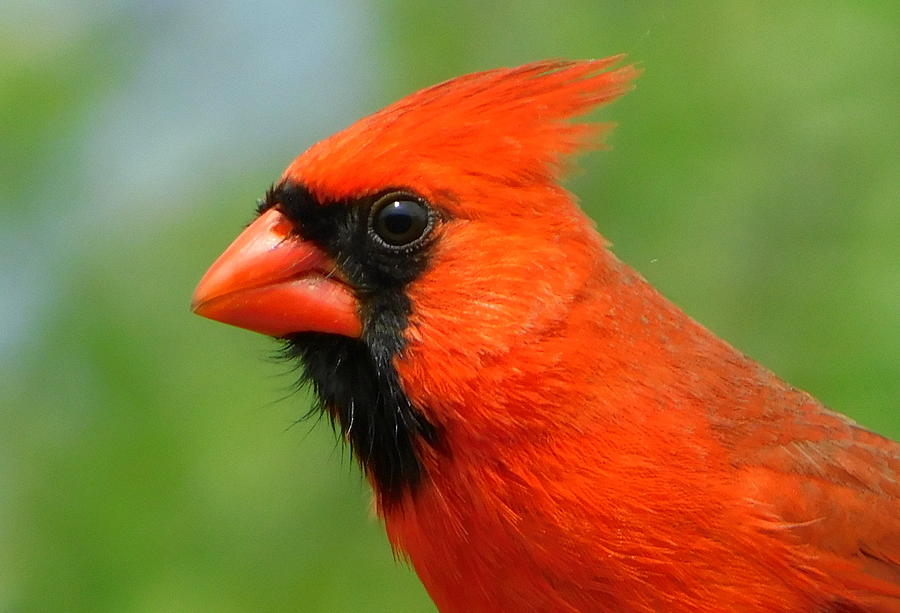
x=364, y=399
x=355, y=381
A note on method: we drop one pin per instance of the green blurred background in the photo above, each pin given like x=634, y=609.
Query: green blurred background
x=147, y=457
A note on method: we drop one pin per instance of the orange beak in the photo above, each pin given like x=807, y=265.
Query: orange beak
x=271, y=281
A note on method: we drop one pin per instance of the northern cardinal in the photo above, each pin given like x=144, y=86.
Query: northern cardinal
x=542, y=429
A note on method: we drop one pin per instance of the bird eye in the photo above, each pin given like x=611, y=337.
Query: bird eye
x=398, y=220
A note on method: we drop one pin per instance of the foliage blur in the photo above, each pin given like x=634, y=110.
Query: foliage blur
x=150, y=460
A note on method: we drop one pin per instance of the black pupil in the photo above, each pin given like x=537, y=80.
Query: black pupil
x=396, y=220
x=401, y=222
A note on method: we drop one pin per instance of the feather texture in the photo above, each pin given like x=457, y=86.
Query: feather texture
x=577, y=442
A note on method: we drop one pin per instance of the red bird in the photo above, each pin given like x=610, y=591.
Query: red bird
x=542, y=429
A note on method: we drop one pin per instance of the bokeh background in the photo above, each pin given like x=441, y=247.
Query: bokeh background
x=149, y=459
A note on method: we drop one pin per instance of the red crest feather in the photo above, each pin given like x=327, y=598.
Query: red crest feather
x=507, y=125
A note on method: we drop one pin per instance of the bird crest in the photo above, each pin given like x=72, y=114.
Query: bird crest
x=506, y=125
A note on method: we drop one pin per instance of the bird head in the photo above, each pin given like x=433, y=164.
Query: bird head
x=402, y=257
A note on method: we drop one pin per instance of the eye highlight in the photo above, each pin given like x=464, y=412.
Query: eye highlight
x=400, y=220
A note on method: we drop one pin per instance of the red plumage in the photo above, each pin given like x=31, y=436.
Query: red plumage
x=598, y=449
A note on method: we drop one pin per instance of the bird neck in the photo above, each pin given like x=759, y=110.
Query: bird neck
x=564, y=366
x=540, y=428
